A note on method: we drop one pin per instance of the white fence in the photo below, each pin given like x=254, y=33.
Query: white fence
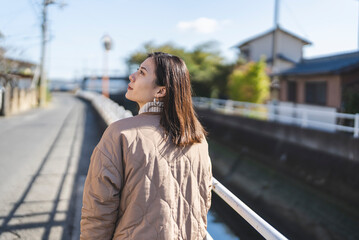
x=111, y=112
x=321, y=118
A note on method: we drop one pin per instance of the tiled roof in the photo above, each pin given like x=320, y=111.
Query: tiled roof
x=282, y=57
x=332, y=64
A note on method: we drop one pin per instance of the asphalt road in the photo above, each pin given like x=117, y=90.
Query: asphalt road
x=44, y=156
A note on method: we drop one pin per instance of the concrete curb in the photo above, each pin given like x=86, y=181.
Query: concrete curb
x=110, y=112
x=108, y=109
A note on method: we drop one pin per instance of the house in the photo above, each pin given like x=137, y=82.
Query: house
x=287, y=50
x=325, y=81
x=18, y=72
x=331, y=81
x=16, y=90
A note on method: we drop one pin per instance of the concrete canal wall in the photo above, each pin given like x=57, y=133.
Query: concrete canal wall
x=326, y=161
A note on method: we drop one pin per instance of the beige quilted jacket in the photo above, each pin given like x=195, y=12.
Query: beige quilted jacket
x=142, y=187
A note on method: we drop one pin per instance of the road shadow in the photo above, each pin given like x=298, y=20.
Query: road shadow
x=47, y=220
x=6, y=226
x=94, y=126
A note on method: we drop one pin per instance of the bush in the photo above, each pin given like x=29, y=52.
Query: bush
x=249, y=83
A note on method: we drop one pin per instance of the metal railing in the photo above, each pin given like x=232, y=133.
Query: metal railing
x=266, y=230
x=111, y=112
x=308, y=118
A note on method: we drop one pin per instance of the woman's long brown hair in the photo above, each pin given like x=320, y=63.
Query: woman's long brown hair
x=178, y=117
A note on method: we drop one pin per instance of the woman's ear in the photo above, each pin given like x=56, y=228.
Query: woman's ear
x=161, y=92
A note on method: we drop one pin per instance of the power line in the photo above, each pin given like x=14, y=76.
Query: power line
x=358, y=25
x=19, y=37
x=295, y=20
x=35, y=9
x=11, y=17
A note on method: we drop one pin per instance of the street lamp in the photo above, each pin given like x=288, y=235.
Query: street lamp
x=107, y=44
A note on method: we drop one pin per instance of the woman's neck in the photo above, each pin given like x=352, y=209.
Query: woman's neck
x=151, y=107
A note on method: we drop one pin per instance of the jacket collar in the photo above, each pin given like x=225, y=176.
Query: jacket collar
x=151, y=107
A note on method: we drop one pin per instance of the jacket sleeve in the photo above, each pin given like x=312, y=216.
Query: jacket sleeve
x=101, y=196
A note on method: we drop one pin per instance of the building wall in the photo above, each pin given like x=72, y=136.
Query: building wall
x=283, y=92
x=261, y=46
x=300, y=90
x=289, y=46
x=286, y=45
x=334, y=92
x=283, y=65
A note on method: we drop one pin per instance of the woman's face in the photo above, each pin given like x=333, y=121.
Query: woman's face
x=142, y=87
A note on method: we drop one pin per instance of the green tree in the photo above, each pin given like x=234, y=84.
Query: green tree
x=137, y=57
x=351, y=99
x=249, y=83
x=220, y=79
x=205, y=65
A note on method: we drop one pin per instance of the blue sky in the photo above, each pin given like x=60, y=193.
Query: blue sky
x=76, y=30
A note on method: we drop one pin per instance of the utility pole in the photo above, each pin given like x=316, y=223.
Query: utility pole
x=43, y=80
x=275, y=35
x=275, y=81
x=43, y=84
x=358, y=29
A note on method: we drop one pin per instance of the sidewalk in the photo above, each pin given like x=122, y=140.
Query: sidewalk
x=50, y=152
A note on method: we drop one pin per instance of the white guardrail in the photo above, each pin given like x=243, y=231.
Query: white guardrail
x=321, y=118
x=111, y=112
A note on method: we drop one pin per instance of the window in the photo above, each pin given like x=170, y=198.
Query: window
x=245, y=53
x=316, y=93
x=292, y=91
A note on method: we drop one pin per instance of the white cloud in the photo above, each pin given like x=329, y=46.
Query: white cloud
x=200, y=25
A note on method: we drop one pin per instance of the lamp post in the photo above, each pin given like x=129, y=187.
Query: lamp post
x=107, y=44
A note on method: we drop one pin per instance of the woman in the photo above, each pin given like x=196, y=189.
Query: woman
x=150, y=175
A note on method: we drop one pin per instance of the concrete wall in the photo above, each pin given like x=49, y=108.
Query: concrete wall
x=327, y=161
x=14, y=105
x=16, y=100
